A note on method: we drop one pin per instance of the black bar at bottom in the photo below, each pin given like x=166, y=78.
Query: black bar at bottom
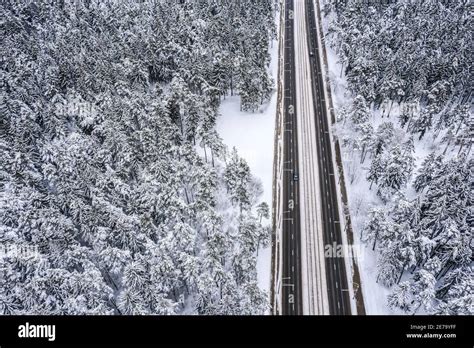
x=193, y=330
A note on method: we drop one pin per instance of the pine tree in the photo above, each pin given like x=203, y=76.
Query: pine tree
x=98, y=169
x=398, y=166
x=376, y=170
x=360, y=111
x=402, y=65
x=382, y=138
x=263, y=211
x=401, y=297
x=423, y=122
x=237, y=177
x=430, y=165
x=424, y=290
x=459, y=299
x=375, y=226
x=365, y=139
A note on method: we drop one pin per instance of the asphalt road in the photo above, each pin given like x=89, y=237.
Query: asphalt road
x=291, y=275
x=335, y=272
x=338, y=294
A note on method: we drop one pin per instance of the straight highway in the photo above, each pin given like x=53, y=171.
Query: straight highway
x=310, y=282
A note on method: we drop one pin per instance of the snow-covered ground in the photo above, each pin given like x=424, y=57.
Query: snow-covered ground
x=360, y=199
x=359, y=196
x=253, y=136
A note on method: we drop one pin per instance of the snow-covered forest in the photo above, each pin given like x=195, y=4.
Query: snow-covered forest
x=111, y=169
x=406, y=126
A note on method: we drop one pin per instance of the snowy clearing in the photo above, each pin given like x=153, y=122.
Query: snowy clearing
x=253, y=135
